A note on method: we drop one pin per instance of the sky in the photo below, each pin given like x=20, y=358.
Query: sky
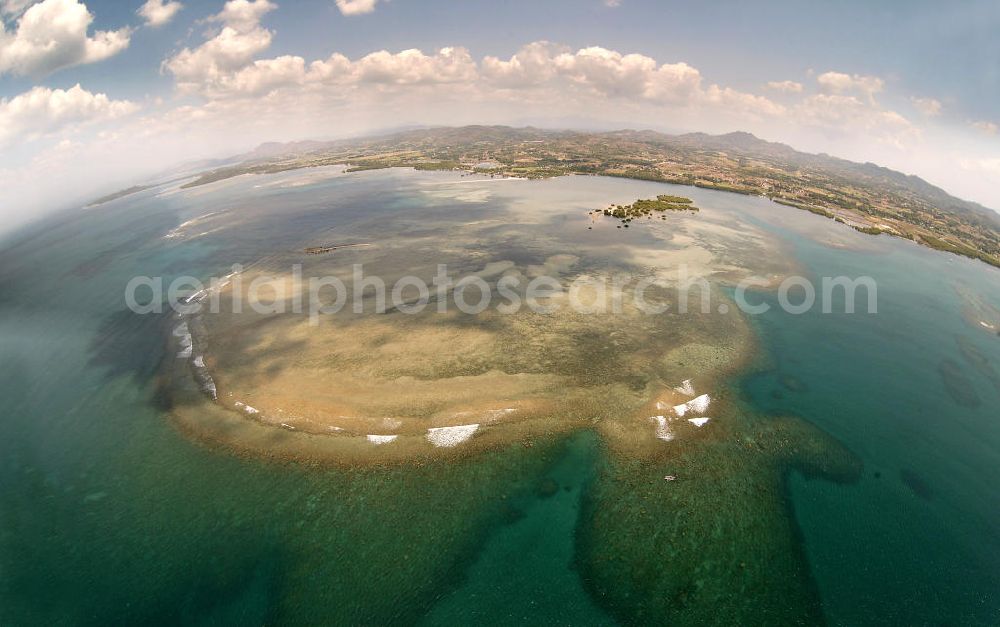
x=96, y=95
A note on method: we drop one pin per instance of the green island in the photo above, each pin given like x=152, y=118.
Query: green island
x=135, y=189
x=644, y=207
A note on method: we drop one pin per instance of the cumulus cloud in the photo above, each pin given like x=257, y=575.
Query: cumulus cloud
x=788, y=87
x=243, y=15
x=840, y=114
x=840, y=83
x=729, y=99
x=52, y=35
x=608, y=72
x=378, y=69
x=265, y=75
x=530, y=66
x=411, y=67
x=597, y=70
x=14, y=7
x=228, y=51
x=928, y=106
x=990, y=128
x=356, y=7
x=158, y=13
x=989, y=166
x=676, y=83
x=592, y=72
x=42, y=111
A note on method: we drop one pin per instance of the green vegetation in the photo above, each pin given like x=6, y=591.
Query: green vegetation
x=868, y=230
x=958, y=249
x=645, y=207
x=417, y=165
x=810, y=208
x=438, y=165
x=676, y=200
x=369, y=166
x=119, y=194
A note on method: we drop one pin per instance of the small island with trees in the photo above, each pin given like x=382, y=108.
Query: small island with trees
x=646, y=207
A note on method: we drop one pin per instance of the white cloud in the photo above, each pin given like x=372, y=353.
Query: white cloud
x=612, y=3
x=989, y=166
x=42, y=111
x=531, y=65
x=928, y=106
x=548, y=71
x=158, y=13
x=788, y=87
x=381, y=69
x=840, y=83
x=738, y=102
x=990, y=128
x=265, y=75
x=14, y=7
x=411, y=67
x=243, y=15
x=52, y=35
x=356, y=7
x=839, y=115
x=596, y=70
x=611, y=74
x=607, y=71
x=674, y=83
x=231, y=49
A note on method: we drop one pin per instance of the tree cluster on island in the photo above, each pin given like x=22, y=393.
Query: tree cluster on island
x=646, y=207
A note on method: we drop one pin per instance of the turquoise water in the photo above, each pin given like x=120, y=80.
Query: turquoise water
x=109, y=515
x=884, y=551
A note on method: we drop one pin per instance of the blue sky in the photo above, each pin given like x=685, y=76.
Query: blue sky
x=911, y=85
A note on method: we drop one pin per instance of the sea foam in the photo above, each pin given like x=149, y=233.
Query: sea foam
x=698, y=405
x=686, y=388
x=247, y=409
x=184, y=333
x=204, y=379
x=492, y=415
x=663, y=431
x=451, y=436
